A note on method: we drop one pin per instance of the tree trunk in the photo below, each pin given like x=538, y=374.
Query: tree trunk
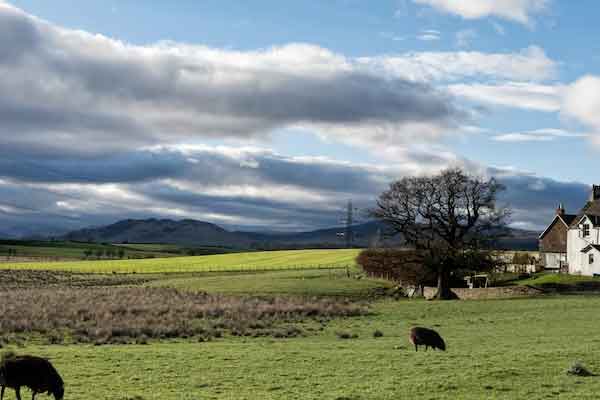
x=443, y=286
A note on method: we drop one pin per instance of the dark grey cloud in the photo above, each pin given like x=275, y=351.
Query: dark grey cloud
x=120, y=167
x=200, y=167
x=534, y=199
x=17, y=35
x=236, y=188
x=274, y=213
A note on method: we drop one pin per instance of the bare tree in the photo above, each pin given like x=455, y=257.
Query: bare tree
x=451, y=218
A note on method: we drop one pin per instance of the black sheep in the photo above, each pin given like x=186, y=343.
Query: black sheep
x=426, y=337
x=36, y=373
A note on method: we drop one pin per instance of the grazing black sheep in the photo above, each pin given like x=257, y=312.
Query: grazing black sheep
x=36, y=373
x=426, y=337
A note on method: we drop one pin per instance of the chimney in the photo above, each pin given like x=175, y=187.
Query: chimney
x=560, y=210
x=595, y=195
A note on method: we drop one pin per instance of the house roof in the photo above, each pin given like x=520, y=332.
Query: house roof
x=566, y=219
x=590, y=247
x=591, y=210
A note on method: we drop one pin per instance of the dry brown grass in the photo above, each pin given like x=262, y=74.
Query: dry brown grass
x=23, y=279
x=136, y=314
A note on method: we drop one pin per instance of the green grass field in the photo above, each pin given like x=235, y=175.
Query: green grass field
x=330, y=282
x=150, y=246
x=72, y=250
x=503, y=349
x=550, y=278
x=263, y=260
x=497, y=349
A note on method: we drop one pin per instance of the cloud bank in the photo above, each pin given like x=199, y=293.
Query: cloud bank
x=90, y=88
x=110, y=130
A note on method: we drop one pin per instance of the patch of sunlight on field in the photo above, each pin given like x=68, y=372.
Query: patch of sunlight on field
x=251, y=261
x=329, y=282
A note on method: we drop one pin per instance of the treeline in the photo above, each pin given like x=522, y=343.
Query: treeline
x=267, y=246
x=104, y=253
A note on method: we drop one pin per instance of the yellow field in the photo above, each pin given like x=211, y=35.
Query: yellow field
x=263, y=260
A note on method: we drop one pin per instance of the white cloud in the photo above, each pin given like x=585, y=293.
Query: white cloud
x=392, y=36
x=465, y=37
x=499, y=28
x=538, y=135
x=523, y=95
x=429, y=35
x=516, y=10
x=94, y=89
x=529, y=64
x=582, y=101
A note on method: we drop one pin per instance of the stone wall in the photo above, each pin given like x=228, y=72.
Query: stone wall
x=488, y=293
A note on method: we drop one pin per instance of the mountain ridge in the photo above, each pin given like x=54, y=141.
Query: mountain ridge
x=189, y=232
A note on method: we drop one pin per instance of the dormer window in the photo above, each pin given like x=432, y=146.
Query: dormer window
x=586, y=230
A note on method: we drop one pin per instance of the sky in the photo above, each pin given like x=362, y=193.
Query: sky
x=271, y=115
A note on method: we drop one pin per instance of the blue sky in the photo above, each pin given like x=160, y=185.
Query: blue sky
x=325, y=92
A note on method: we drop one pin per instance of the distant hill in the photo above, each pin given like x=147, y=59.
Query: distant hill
x=364, y=235
x=185, y=232
x=192, y=233
x=520, y=240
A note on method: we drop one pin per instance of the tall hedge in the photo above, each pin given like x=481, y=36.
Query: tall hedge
x=403, y=266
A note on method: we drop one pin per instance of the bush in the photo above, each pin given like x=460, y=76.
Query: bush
x=400, y=265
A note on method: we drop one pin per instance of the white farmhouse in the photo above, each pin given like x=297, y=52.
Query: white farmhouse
x=582, y=245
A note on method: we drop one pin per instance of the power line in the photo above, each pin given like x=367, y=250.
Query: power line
x=348, y=221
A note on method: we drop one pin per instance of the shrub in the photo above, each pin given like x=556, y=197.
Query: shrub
x=400, y=265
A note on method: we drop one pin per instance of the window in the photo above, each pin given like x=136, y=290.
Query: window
x=586, y=230
x=591, y=258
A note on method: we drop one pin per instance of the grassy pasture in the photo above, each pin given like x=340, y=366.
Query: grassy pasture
x=502, y=349
x=71, y=250
x=178, y=249
x=150, y=246
x=251, y=261
x=497, y=349
x=330, y=282
x=550, y=278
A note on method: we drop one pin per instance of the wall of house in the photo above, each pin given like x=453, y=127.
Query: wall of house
x=553, y=245
x=578, y=261
x=574, y=256
x=554, y=260
x=586, y=267
x=555, y=239
x=595, y=267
